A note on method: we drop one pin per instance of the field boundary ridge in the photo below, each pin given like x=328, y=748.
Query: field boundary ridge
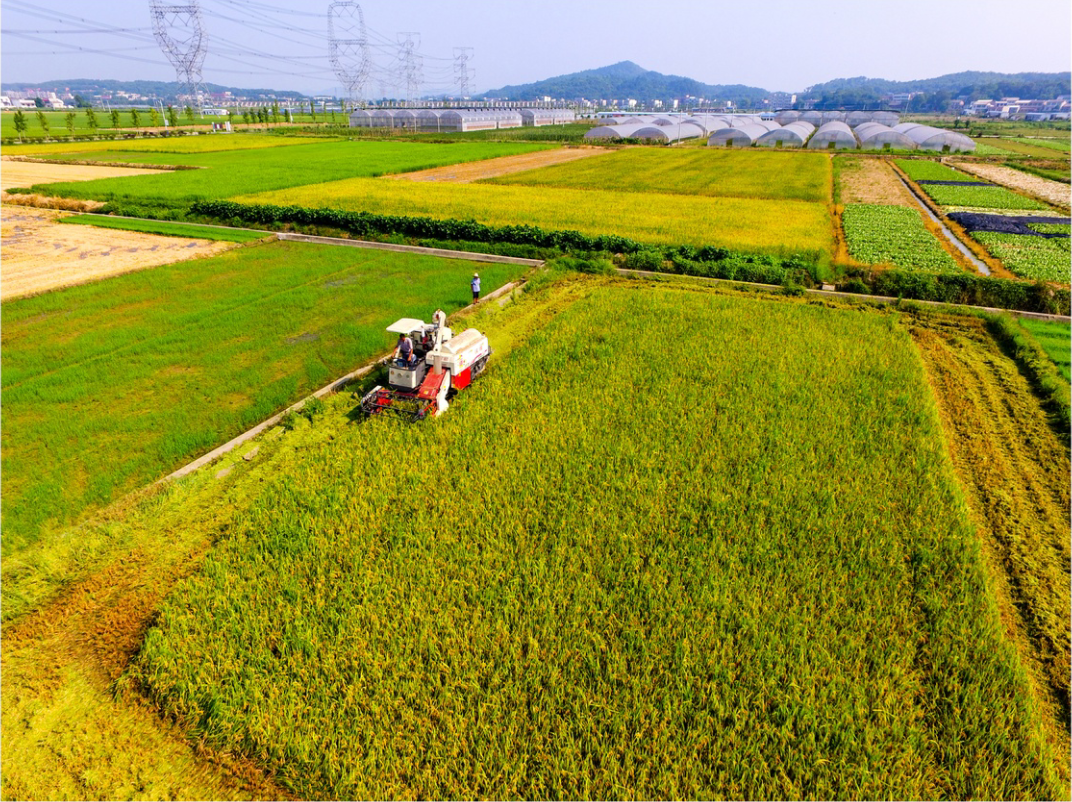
x=852, y=296
x=387, y=246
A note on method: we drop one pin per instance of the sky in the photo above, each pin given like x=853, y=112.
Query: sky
x=776, y=44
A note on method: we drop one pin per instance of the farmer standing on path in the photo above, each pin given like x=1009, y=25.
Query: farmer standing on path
x=475, y=284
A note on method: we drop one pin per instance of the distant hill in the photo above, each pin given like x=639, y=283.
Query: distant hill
x=974, y=85
x=626, y=80
x=164, y=90
x=629, y=80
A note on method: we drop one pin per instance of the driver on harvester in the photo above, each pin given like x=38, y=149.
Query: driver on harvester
x=404, y=352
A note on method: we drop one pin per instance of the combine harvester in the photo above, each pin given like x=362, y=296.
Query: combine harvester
x=441, y=363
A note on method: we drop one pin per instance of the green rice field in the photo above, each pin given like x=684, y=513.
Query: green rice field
x=750, y=575
x=165, y=228
x=271, y=168
x=702, y=171
x=109, y=386
x=1056, y=340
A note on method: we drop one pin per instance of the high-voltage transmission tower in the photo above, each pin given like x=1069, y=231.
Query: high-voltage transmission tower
x=348, y=47
x=462, y=72
x=412, y=64
x=181, y=36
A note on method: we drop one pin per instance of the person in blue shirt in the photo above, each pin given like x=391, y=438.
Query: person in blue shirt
x=475, y=284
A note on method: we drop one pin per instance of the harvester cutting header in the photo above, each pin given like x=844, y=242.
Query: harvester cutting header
x=429, y=363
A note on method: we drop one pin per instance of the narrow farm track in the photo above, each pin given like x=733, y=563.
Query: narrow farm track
x=1015, y=472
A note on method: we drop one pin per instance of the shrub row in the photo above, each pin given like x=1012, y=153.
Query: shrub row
x=363, y=224
x=959, y=288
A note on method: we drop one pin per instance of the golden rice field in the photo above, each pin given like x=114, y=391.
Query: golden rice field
x=765, y=226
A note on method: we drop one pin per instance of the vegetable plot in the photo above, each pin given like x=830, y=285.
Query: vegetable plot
x=894, y=235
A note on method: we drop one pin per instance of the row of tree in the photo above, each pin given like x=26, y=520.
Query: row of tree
x=138, y=117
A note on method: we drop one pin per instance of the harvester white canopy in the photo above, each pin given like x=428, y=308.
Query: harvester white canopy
x=406, y=325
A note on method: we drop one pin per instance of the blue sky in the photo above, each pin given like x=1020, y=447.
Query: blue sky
x=776, y=45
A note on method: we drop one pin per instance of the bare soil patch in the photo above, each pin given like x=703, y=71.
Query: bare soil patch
x=873, y=181
x=26, y=174
x=491, y=168
x=1050, y=191
x=42, y=254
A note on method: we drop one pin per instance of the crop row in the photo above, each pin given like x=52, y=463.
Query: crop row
x=627, y=591
x=1039, y=258
x=982, y=197
x=894, y=235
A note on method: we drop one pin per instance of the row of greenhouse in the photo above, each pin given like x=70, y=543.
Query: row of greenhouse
x=747, y=130
x=458, y=120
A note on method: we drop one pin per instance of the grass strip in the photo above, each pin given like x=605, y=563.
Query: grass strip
x=165, y=228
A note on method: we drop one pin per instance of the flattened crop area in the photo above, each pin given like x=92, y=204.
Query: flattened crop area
x=26, y=174
x=41, y=254
x=506, y=165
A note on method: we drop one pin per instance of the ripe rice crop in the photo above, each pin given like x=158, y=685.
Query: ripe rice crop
x=698, y=171
x=237, y=172
x=111, y=385
x=1041, y=258
x=779, y=227
x=620, y=570
x=896, y=236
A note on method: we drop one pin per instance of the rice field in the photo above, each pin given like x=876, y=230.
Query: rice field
x=1056, y=340
x=699, y=171
x=272, y=168
x=752, y=225
x=202, y=143
x=750, y=575
x=109, y=386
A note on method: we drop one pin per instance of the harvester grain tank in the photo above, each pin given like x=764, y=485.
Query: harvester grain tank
x=442, y=363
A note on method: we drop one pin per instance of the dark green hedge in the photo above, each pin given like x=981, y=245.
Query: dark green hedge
x=960, y=288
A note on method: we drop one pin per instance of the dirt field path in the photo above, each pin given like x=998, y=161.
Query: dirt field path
x=26, y=174
x=42, y=254
x=490, y=168
x=1050, y=191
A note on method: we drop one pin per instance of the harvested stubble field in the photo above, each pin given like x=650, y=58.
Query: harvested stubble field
x=1050, y=191
x=694, y=609
x=871, y=181
x=41, y=254
x=753, y=225
x=700, y=171
x=504, y=165
x=144, y=372
x=26, y=174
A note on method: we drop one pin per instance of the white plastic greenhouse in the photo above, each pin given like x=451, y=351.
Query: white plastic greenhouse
x=928, y=138
x=832, y=136
x=793, y=135
x=736, y=137
x=876, y=136
x=668, y=133
x=787, y=116
x=614, y=131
